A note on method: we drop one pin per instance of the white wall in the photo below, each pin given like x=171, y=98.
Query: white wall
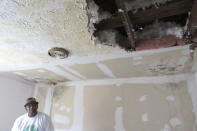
x=192, y=83
x=13, y=93
x=124, y=105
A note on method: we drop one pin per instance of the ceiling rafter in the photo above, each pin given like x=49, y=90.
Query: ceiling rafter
x=176, y=7
x=192, y=26
x=193, y=21
x=126, y=22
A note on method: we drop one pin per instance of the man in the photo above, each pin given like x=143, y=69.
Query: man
x=33, y=120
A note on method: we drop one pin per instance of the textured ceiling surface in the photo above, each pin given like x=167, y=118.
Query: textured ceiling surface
x=160, y=62
x=29, y=28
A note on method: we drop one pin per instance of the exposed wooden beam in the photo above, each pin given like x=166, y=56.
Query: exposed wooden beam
x=176, y=7
x=193, y=22
x=126, y=22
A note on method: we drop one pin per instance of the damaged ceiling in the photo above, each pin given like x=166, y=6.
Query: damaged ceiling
x=92, y=31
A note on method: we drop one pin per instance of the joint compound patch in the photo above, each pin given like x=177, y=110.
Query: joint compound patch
x=145, y=117
x=61, y=119
x=118, y=119
x=166, y=128
x=41, y=71
x=170, y=98
x=143, y=98
x=118, y=84
x=137, y=63
x=62, y=108
x=68, y=109
x=137, y=58
x=175, y=122
x=56, y=105
x=118, y=98
x=19, y=73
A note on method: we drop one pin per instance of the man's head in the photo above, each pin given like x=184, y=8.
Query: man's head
x=31, y=106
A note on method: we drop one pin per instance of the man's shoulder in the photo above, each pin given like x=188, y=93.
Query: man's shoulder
x=20, y=118
x=41, y=114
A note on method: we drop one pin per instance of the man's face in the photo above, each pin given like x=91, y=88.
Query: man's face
x=31, y=109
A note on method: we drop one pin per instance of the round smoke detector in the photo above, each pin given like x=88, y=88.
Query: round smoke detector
x=58, y=52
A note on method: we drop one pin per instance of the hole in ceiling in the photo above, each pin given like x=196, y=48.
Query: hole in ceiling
x=110, y=30
x=58, y=52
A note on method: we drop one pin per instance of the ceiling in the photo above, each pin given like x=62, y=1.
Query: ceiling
x=28, y=29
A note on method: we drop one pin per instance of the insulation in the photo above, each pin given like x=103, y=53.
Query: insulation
x=159, y=29
x=136, y=5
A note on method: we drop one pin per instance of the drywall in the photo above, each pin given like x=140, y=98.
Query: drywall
x=44, y=94
x=192, y=83
x=13, y=93
x=115, y=106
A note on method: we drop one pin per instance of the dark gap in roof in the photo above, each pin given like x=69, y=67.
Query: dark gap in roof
x=107, y=5
x=178, y=19
x=121, y=35
x=121, y=30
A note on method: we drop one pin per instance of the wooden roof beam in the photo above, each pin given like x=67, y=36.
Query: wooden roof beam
x=177, y=7
x=193, y=22
x=126, y=22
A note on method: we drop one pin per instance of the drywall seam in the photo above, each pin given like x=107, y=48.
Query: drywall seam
x=119, y=119
x=48, y=100
x=62, y=73
x=61, y=119
x=78, y=110
x=74, y=72
x=36, y=91
x=94, y=59
x=192, y=89
x=140, y=80
x=105, y=70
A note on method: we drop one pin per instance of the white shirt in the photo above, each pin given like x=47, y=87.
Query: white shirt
x=40, y=122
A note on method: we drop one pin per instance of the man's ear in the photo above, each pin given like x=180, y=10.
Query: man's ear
x=25, y=108
x=37, y=106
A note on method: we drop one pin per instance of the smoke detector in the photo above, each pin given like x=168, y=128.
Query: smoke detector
x=58, y=52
